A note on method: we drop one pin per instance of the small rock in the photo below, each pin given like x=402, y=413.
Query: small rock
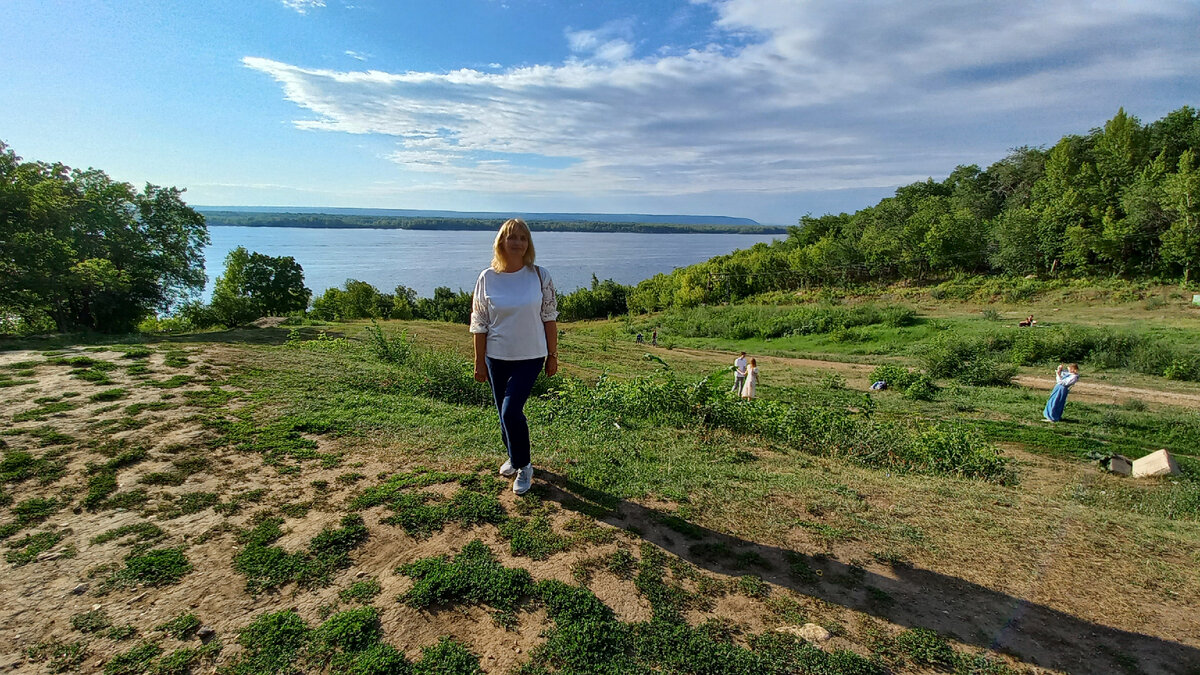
x=360, y=574
x=205, y=633
x=814, y=633
x=80, y=589
x=1120, y=464
x=96, y=607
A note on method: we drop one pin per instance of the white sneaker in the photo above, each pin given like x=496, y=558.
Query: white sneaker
x=524, y=480
x=507, y=469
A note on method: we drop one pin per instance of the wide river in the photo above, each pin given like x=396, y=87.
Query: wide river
x=426, y=259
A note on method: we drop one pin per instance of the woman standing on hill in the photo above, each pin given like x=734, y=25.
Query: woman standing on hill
x=751, y=385
x=514, y=316
x=1058, y=397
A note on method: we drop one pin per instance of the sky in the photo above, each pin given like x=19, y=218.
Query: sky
x=764, y=109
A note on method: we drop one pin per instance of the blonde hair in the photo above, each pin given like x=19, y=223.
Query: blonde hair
x=1073, y=367
x=506, y=230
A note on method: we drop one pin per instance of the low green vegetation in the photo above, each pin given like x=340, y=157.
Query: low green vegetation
x=266, y=567
x=181, y=627
x=154, y=567
x=348, y=643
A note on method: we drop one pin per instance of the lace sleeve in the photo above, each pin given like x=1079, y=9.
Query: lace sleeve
x=479, y=309
x=549, y=298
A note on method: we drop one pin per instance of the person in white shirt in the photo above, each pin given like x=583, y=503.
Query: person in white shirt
x=739, y=373
x=1058, y=398
x=514, y=319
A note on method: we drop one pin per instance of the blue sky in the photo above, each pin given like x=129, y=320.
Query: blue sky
x=767, y=109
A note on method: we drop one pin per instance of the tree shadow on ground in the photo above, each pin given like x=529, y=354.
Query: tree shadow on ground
x=913, y=597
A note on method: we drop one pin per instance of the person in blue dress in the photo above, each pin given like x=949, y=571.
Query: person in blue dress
x=1058, y=397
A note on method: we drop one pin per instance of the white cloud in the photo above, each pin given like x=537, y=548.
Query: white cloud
x=302, y=6
x=355, y=55
x=789, y=97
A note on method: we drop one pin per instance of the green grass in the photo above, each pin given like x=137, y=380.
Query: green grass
x=360, y=591
x=91, y=622
x=60, y=657
x=173, y=382
x=155, y=567
x=135, y=409
x=134, y=661
x=176, y=359
x=41, y=413
x=473, y=576
x=266, y=567
x=137, y=534
x=109, y=395
x=19, y=465
x=24, y=551
x=192, y=502
x=181, y=627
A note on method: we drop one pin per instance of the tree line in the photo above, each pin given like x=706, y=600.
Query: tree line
x=1122, y=200
x=340, y=221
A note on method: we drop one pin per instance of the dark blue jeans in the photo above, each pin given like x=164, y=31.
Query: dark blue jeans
x=512, y=381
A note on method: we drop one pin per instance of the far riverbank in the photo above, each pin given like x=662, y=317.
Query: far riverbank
x=426, y=259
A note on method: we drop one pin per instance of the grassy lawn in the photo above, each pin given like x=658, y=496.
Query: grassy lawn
x=335, y=503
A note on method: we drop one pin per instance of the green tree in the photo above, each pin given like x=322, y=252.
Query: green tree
x=87, y=252
x=255, y=285
x=1181, y=241
x=404, y=303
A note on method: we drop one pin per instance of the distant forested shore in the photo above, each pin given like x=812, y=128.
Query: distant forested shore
x=1121, y=201
x=341, y=221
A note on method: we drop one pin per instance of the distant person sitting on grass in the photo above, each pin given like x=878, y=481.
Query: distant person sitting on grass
x=514, y=319
x=1058, y=397
x=1027, y=323
x=751, y=385
x=739, y=373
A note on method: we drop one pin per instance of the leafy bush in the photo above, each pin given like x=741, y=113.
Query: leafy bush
x=921, y=389
x=389, y=350
x=950, y=449
x=897, y=377
x=604, y=298
x=741, y=322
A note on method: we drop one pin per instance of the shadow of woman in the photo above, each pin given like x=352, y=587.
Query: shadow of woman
x=919, y=598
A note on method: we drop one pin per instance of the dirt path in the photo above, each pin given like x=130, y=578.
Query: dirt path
x=1086, y=390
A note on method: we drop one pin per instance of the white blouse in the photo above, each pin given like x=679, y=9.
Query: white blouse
x=1068, y=379
x=512, y=308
